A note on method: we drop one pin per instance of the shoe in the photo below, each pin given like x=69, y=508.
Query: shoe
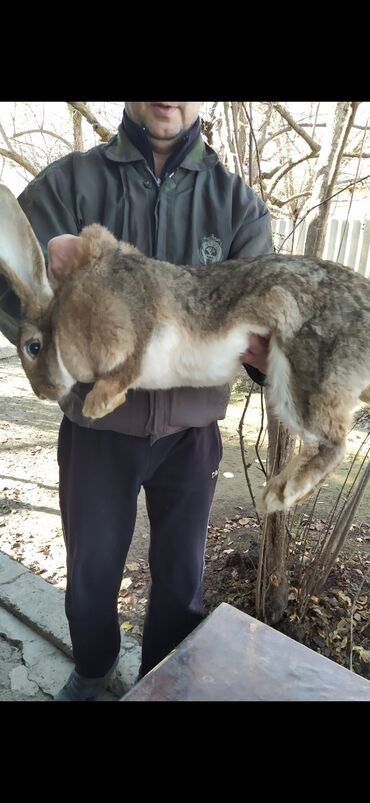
x=81, y=689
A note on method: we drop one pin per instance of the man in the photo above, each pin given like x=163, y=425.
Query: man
x=157, y=185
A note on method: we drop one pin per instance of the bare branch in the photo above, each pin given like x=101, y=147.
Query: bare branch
x=356, y=155
x=329, y=198
x=315, y=147
x=273, y=172
x=274, y=201
x=277, y=134
x=246, y=465
x=290, y=167
x=279, y=203
x=43, y=131
x=16, y=157
x=364, y=580
x=99, y=129
x=5, y=137
x=230, y=143
x=236, y=141
x=251, y=143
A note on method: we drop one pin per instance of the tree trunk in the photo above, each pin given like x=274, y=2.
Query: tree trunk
x=272, y=580
x=338, y=128
x=230, y=155
x=77, y=130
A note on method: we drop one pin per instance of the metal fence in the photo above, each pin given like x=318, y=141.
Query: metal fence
x=347, y=242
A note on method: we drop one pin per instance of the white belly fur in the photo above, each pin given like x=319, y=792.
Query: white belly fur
x=174, y=358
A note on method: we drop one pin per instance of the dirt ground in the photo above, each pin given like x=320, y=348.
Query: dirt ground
x=337, y=623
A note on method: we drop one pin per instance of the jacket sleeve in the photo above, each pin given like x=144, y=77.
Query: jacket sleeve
x=253, y=238
x=48, y=202
x=253, y=235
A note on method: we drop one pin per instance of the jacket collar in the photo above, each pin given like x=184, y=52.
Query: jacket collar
x=130, y=144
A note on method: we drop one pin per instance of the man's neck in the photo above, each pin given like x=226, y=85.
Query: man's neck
x=160, y=160
x=151, y=150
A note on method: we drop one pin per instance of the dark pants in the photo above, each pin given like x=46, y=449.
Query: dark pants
x=101, y=473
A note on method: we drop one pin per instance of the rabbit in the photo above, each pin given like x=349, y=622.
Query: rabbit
x=106, y=314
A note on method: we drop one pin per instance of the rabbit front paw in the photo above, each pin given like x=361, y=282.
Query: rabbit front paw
x=101, y=400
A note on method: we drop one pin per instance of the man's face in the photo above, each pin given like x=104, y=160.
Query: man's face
x=164, y=120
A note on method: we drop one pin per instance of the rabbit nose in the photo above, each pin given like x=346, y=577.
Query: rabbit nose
x=42, y=396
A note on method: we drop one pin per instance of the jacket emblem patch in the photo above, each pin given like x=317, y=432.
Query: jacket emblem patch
x=210, y=250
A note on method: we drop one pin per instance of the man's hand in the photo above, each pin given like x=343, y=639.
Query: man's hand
x=256, y=354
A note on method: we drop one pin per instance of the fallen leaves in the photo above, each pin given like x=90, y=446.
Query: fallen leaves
x=230, y=576
x=364, y=654
x=126, y=583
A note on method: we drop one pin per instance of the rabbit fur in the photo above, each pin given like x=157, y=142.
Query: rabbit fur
x=108, y=315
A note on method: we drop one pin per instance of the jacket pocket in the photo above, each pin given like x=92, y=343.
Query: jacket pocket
x=197, y=407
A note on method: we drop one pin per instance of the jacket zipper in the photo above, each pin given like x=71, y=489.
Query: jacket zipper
x=156, y=216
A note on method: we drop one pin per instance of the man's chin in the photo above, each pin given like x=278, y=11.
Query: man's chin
x=158, y=136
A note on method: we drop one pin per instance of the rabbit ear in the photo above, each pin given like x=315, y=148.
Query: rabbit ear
x=66, y=253
x=24, y=289
x=10, y=311
x=63, y=251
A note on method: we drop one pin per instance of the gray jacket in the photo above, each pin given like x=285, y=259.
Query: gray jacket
x=200, y=214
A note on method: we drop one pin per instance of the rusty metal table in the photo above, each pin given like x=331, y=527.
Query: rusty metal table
x=233, y=657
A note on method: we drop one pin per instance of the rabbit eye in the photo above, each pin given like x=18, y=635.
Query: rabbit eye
x=33, y=347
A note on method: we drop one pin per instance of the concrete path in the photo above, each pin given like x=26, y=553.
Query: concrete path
x=35, y=648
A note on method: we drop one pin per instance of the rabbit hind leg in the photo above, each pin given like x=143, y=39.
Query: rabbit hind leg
x=301, y=477
x=330, y=419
